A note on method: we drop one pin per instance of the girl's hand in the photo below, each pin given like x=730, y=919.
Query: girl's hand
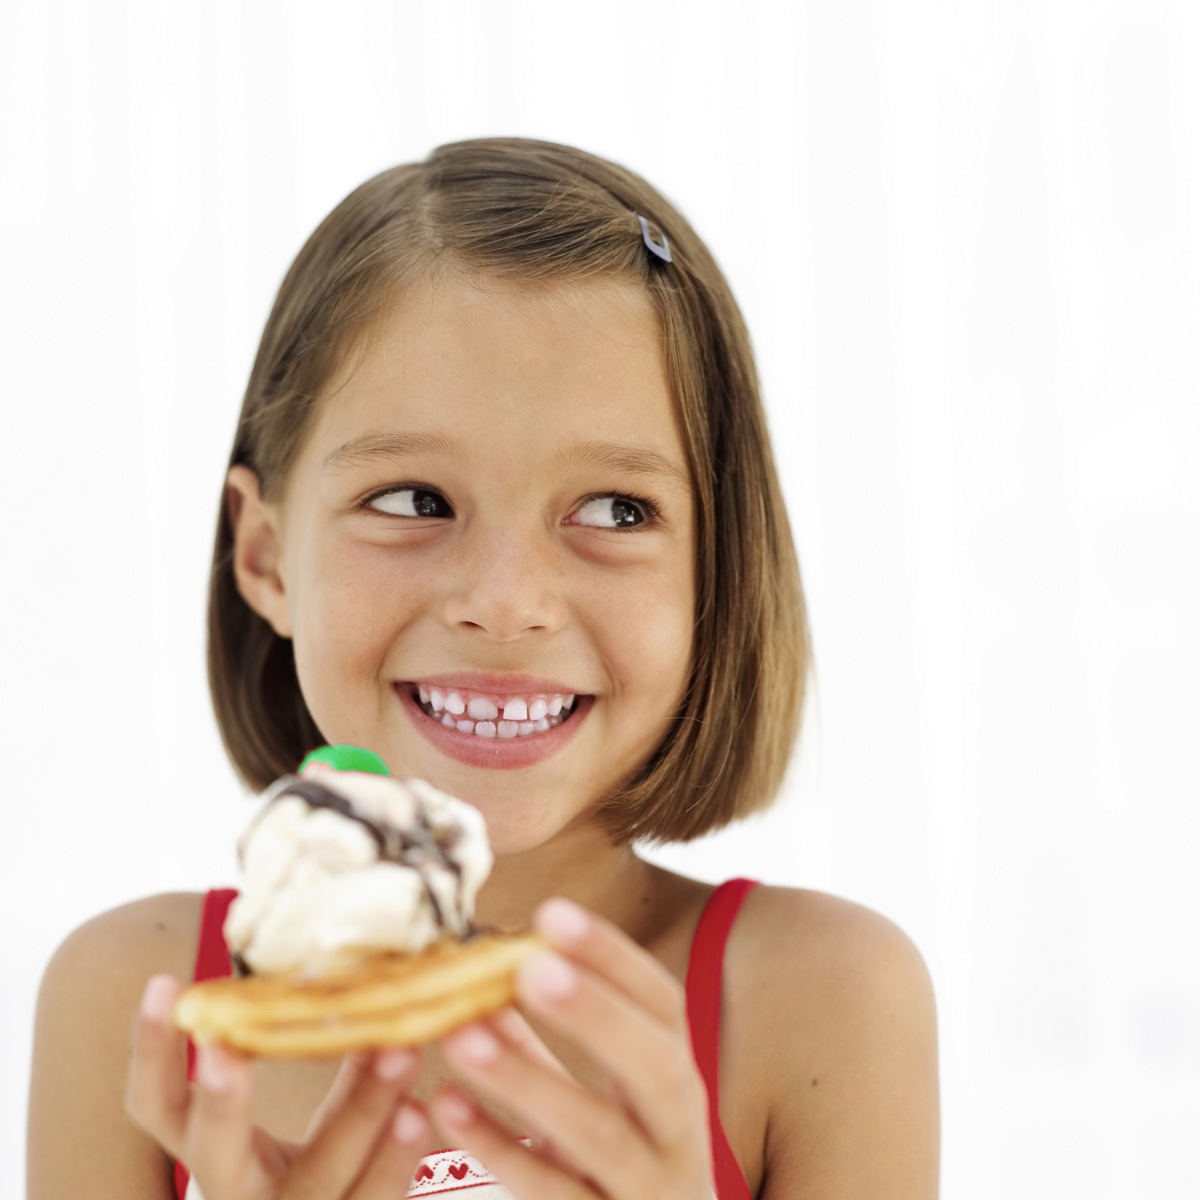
x=647, y=1137
x=365, y=1140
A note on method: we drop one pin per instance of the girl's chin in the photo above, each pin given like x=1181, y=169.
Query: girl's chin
x=536, y=821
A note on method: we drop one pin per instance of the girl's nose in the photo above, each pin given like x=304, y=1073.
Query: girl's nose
x=504, y=584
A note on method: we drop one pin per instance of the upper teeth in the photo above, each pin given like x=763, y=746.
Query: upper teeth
x=496, y=715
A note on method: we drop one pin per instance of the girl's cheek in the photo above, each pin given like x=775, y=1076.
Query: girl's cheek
x=363, y=580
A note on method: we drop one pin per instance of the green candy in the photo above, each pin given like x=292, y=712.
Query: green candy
x=347, y=758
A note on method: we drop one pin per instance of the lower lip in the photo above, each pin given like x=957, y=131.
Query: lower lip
x=505, y=754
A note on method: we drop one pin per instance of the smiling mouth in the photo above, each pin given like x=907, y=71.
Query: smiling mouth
x=491, y=715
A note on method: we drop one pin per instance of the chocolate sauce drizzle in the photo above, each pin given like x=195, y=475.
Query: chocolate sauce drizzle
x=413, y=848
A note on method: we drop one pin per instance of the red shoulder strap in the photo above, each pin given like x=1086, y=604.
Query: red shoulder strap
x=212, y=955
x=704, y=1019
x=212, y=962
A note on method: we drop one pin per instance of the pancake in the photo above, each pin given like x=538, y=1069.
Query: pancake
x=388, y=1000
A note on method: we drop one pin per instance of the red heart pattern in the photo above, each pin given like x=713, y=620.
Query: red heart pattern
x=450, y=1172
x=453, y=1172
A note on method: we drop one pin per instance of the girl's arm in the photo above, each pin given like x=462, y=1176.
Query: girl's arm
x=828, y=1066
x=851, y=1061
x=80, y=1142
x=110, y=1104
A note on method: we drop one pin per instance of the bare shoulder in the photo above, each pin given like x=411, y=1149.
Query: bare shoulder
x=161, y=930
x=78, y=1133
x=833, y=1006
x=109, y=958
x=828, y=947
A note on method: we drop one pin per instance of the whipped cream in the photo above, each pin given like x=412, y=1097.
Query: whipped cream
x=341, y=864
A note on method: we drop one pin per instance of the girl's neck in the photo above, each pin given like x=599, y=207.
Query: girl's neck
x=582, y=865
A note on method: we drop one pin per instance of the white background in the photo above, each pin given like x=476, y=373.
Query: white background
x=965, y=236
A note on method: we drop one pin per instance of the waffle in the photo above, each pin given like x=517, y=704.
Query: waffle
x=387, y=1000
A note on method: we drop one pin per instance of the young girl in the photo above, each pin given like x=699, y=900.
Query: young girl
x=503, y=446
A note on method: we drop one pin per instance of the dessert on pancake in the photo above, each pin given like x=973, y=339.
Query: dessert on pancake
x=353, y=926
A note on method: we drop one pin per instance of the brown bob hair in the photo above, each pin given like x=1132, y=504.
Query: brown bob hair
x=535, y=212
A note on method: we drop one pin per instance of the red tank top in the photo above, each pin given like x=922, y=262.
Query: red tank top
x=703, y=1009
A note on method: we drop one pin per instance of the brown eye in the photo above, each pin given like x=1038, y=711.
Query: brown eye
x=411, y=502
x=610, y=512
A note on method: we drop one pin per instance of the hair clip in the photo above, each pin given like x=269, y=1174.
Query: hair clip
x=661, y=248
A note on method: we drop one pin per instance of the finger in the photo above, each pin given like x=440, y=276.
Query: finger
x=512, y=1028
x=221, y=1143
x=156, y=1091
x=408, y=1136
x=599, y=945
x=524, y=1172
x=339, y=1153
x=650, y=1061
x=594, y=1136
x=347, y=1077
x=516, y=1032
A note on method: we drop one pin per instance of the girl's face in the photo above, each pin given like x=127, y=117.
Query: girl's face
x=484, y=552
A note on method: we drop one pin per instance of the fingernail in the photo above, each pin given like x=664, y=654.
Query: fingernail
x=212, y=1070
x=409, y=1125
x=158, y=997
x=392, y=1064
x=476, y=1045
x=454, y=1109
x=562, y=921
x=549, y=976
x=509, y=1023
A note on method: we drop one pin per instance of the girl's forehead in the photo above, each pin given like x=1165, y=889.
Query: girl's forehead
x=564, y=319
x=583, y=353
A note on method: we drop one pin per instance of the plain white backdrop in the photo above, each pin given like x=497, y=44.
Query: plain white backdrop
x=966, y=239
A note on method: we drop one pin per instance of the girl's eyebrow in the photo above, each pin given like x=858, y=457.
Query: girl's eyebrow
x=628, y=460
x=614, y=456
x=370, y=447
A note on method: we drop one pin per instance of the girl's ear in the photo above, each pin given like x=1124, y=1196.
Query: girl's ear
x=256, y=549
